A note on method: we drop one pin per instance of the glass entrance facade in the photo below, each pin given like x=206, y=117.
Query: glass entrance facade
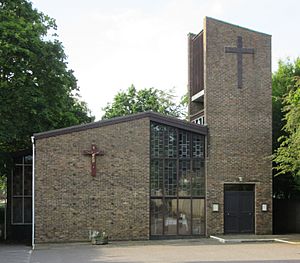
x=177, y=182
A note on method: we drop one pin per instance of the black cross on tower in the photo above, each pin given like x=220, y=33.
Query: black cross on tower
x=239, y=50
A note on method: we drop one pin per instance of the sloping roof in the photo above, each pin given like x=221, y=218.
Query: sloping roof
x=245, y=28
x=153, y=116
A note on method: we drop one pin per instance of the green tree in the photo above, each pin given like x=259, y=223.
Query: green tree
x=134, y=101
x=282, y=80
x=287, y=156
x=37, y=90
x=285, y=106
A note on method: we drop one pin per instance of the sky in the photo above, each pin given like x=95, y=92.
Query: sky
x=112, y=44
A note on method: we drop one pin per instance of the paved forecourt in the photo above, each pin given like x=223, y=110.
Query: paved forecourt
x=15, y=253
x=189, y=251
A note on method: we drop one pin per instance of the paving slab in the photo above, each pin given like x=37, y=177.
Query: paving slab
x=174, y=251
x=293, y=239
x=156, y=251
x=15, y=253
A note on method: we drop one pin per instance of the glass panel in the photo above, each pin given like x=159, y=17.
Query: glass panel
x=17, y=210
x=198, y=146
x=27, y=180
x=198, y=185
x=171, y=217
x=198, y=216
x=156, y=212
x=184, y=220
x=170, y=140
x=177, y=175
x=17, y=181
x=27, y=210
x=184, y=145
x=28, y=159
x=157, y=137
x=184, y=180
x=18, y=160
x=157, y=177
x=170, y=175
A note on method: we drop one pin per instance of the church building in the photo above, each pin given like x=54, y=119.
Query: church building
x=149, y=176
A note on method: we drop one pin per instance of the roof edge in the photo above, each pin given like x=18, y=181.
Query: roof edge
x=153, y=116
x=231, y=24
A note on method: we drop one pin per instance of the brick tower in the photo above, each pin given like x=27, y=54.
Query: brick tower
x=230, y=92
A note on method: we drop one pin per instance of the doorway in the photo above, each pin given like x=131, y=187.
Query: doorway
x=238, y=208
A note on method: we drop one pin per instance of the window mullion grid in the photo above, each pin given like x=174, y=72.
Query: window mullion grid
x=165, y=175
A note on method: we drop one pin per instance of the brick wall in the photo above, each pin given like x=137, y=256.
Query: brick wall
x=69, y=201
x=239, y=120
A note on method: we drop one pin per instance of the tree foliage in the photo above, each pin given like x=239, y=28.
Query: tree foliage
x=37, y=90
x=282, y=80
x=149, y=99
x=287, y=150
x=288, y=153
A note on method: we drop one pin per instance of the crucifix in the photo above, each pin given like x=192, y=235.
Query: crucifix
x=239, y=51
x=93, y=152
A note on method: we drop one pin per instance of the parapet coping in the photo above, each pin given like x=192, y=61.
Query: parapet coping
x=248, y=29
x=153, y=116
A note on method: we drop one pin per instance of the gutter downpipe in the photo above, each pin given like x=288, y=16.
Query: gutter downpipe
x=33, y=176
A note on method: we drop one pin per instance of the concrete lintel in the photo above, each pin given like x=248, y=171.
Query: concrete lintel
x=198, y=97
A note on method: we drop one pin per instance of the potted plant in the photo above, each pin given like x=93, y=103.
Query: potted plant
x=99, y=238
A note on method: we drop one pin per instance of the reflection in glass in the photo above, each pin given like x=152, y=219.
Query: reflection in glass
x=28, y=159
x=198, y=146
x=198, y=216
x=170, y=176
x=184, y=180
x=177, y=181
x=184, y=145
x=198, y=185
x=27, y=180
x=170, y=141
x=156, y=174
x=157, y=140
x=27, y=210
x=18, y=181
x=22, y=190
x=184, y=216
x=17, y=209
x=156, y=212
x=171, y=217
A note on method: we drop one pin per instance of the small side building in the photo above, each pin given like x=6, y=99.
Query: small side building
x=149, y=179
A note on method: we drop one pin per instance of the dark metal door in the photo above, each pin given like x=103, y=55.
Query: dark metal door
x=239, y=212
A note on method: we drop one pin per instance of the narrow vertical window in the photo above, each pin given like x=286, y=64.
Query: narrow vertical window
x=22, y=191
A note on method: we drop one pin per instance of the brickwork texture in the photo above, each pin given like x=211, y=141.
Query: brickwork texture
x=238, y=119
x=69, y=202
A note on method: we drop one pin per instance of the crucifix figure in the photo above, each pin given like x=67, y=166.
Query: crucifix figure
x=94, y=152
x=239, y=51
